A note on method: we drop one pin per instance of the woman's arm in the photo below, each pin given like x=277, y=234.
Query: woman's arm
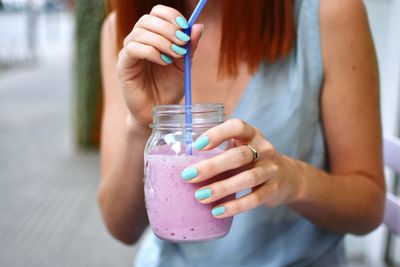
x=351, y=118
x=351, y=197
x=120, y=196
x=148, y=72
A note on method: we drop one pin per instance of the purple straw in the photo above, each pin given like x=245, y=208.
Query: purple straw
x=188, y=79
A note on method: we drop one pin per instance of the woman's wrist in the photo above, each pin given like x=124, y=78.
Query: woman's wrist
x=307, y=183
x=297, y=171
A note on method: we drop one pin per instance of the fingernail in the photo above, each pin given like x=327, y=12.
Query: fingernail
x=179, y=50
x=203, y=194
x=182, y=22
x=166, y=59
x=201, y=142
x=182, y=36
x=218, y=211
x=189, y=173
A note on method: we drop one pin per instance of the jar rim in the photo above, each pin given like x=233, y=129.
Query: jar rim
x=181, y=108
x=174, y=116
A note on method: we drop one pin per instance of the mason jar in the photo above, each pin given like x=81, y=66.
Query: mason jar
x=174, y=213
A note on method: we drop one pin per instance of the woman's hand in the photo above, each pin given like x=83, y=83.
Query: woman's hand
x=150, y=64
x=269, y=176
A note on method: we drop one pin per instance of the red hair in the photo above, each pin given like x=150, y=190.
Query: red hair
x=252, y=30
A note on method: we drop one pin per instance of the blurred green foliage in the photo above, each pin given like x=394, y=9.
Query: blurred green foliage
x=89, y=16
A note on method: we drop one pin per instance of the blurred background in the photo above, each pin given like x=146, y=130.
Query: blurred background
x=50, y=103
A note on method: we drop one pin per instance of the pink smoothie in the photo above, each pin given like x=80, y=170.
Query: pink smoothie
x=174, y=213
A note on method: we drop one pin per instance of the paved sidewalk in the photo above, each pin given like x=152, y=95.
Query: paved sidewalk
x=48, y=210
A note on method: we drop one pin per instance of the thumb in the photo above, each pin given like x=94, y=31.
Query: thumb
x=195, y=36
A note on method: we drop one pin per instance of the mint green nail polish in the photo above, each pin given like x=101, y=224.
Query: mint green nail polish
x=203, y=194
x=166, y=59
x=189, y=173
x=179, y=50
x=182, y=22
x=218, y=211
x=182, y=36
x=201, y=142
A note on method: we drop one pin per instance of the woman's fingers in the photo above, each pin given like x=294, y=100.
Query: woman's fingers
x=244, y=180
x=242, y=204
x=163, y=21
x=159, y=42
x=177, y=19
x=164, y=28
x=171, y=15
x=234, y=128
x=139, y=51
x=228, y=160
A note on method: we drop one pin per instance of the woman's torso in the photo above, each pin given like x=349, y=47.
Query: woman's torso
x=282, y=100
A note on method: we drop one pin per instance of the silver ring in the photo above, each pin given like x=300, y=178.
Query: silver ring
x=254, y=152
